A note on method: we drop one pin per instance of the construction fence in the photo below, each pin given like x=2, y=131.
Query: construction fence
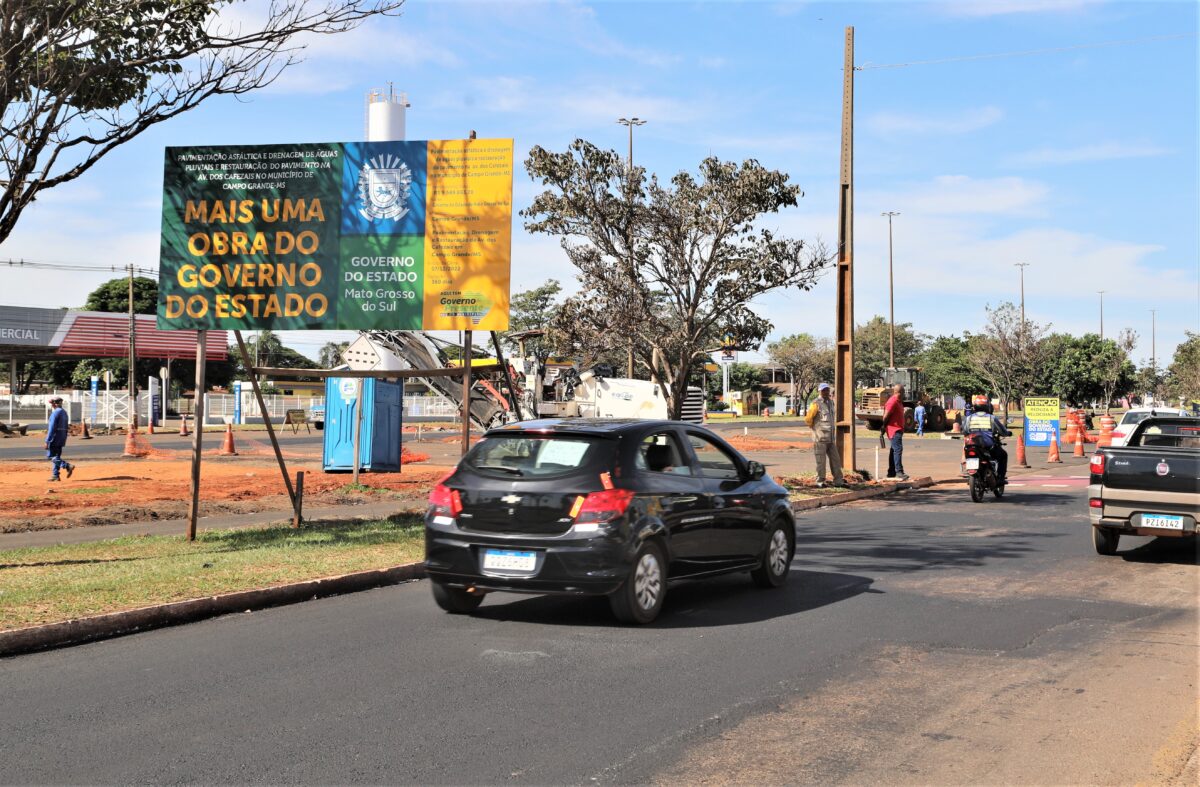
x=111, y=408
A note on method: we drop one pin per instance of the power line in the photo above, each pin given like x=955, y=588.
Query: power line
x=76, y=267
x=1022, y=53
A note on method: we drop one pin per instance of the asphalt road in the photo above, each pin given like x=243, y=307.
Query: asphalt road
x=914, y=605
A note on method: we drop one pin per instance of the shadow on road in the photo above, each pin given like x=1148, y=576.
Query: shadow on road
x=1181, y=551
x=720, y=601
x=906, y=547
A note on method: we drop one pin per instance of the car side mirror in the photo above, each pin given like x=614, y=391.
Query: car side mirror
x=757, y=470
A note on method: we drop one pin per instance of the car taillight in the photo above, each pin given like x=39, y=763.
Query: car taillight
x=601, y=506
x=1096, y=502
x=445, y=500
x=1097, y=464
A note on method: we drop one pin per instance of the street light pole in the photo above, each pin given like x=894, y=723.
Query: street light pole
x=891, y=297
x=1022, y=266
x=630, y=123
x=1101, y=292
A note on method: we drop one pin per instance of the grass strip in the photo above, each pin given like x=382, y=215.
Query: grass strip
x=51, y=584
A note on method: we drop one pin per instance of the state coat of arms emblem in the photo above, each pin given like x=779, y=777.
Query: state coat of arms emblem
x=383, y=187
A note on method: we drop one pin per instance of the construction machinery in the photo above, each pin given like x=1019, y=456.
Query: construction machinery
x=528, y=387
x=872, y=401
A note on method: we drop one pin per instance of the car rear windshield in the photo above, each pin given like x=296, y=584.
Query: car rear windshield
x=1168, y=436
x=538, y=456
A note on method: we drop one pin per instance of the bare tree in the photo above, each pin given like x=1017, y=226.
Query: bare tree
x=1007, y=353
x=670, y=268
x=78, y=78
x=1116, y=370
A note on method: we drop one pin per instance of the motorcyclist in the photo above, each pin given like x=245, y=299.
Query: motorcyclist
x=988, y=429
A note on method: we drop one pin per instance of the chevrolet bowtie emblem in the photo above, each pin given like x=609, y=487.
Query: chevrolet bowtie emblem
x=512, y=500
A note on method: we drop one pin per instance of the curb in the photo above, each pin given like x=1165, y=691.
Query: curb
x=861, y=494
x=116, y=624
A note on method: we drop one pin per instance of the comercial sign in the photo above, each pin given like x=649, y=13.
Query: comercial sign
x=1041, y=420
x=358, y=235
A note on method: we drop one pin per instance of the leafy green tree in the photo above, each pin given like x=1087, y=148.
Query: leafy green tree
x=533, y=310
x=807, y=361
x=871, y=346
x=80, y=79
x=1184, y=371
x=1086, y=368
x=113, y=296
x=947, y=369
x=330, y=354
x=669, y=268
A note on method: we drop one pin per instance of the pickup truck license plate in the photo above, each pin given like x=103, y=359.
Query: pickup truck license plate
x=509, y=560
x=972, y=464
x=1162, y=521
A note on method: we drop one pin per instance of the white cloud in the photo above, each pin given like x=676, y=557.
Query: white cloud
x=1100, y=151
x=983, y=8
x=962, y=122
x=948, y=195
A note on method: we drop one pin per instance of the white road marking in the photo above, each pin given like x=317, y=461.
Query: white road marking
x=1063, y=486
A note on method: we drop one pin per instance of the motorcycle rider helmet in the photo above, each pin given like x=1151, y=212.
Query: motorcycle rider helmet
x=979, y=400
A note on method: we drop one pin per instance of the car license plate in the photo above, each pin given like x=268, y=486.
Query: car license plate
x=509, y=560
x=1162, y=521
x=972, y=464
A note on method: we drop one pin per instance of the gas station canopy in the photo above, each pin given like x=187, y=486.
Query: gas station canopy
x=29, y=334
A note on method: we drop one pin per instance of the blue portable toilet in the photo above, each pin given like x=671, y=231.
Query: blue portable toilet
x=379, y=442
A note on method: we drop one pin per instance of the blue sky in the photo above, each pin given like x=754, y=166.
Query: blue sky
x=1082, y=162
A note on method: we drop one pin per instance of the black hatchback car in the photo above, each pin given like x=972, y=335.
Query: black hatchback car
x=603, y=507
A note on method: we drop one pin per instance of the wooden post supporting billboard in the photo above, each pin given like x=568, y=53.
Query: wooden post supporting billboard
x=844, y=352
x=262, y=408
x=197, y=434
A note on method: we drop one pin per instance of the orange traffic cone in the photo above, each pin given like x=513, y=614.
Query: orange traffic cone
x=1079, y=443
x=1021, y=451
x=1053, y=457
x=183, y=430
x=227, y=448
x=131, y=446
x=86, y=434
x=150, y=427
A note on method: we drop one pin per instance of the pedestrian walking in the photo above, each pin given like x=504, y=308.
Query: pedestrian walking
x=56, y=438
x=919, y=417
x=821, y=418
x=893, y=426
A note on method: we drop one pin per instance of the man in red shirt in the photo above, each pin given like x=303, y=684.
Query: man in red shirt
x=893, y=427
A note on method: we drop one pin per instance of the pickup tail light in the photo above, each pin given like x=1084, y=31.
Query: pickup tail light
x=1097, y=464
x=1096, y=502
x=601, y=506
x=445, y=501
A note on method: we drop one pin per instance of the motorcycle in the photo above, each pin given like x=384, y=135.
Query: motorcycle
x=983, y=472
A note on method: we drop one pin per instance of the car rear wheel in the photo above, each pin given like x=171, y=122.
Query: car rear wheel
x=456, y=601
x=1105, y=540
x=640, y=599
x=777, y=559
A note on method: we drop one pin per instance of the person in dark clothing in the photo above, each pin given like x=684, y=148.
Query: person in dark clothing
x=56, y=439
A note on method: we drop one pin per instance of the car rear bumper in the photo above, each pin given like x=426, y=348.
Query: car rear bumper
x=574, y=566
x=1126, y=527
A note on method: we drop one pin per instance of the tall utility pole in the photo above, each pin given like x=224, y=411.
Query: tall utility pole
x=630, y=123
x=891, y=295
x=1101, y=293
x=1022, y=266
x=132, y=357
x=843, y=377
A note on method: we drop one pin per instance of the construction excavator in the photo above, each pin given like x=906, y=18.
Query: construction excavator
x=524, y=388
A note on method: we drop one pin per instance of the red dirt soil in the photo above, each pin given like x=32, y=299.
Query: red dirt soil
x=158, y=486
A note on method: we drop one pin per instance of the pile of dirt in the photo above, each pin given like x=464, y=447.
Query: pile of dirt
x=751, y=443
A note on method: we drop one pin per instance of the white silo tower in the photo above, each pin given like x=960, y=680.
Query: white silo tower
x=385, y=114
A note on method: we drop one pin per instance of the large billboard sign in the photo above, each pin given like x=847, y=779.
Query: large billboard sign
x=359, y=235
